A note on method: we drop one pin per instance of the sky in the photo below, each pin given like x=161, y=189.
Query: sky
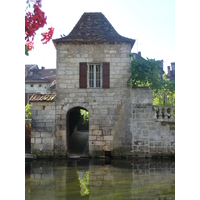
x=150, y=22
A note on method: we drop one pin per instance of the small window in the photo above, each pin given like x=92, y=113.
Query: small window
x=40, y=85
x=95, y=75
x=31, y=85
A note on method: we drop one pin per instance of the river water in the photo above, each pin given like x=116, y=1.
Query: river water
x=100, y=179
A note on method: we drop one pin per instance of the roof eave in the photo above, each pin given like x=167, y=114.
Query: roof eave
x=38, y=81
x=61, y=41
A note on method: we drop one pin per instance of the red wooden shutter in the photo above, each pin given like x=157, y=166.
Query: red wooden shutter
x=83, y=75
x=106, y=75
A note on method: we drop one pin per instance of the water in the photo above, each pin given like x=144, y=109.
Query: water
x=100, y=179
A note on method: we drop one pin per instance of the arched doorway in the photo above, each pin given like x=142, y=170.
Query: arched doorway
x=78, y=131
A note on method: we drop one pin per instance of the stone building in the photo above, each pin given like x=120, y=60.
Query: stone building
x=38, y=81
x=91, y=74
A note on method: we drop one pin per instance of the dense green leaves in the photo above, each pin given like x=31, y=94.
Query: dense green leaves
x=146, y=73
x=85, y=116
x=165, y=95
x=28, y=111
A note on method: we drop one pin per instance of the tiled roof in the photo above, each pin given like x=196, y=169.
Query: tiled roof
x=93, y=28
x=53, y=85
x=41, y=75
x=136, y=56
x=42, y=97
x=29, y=66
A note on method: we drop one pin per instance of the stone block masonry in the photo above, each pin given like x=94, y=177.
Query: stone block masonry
x=121, y=120
x=150, y=137
x=43, y=127
x=104, y=105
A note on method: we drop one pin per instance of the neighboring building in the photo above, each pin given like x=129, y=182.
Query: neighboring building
x=171, y=72
x=91, y=74
x=38, y=81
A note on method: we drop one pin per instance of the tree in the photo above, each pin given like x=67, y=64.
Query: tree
x=165, y=95
x=85, y=116
x=34, y=20
x=28, y=111
x=146, y=73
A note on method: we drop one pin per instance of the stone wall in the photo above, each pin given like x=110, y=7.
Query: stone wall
x=42, y=88
x=121, y=120
x=144, y=179
x=43, y=127
x=150, y=137
x=109, y=109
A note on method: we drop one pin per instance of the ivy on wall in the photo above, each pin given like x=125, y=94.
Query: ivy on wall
x=145, y=73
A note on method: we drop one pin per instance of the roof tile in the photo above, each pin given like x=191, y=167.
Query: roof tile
x=42, y=97
x=41, y=75
x=93, y=28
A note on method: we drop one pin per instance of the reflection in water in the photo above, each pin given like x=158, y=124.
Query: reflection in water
x=83, y=178
x=95, y=179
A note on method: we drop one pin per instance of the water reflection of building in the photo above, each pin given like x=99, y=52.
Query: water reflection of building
x=122, y=179
x=132, y=180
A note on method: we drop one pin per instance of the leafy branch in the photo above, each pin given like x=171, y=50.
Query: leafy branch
x=28, y=111
x=146, y=73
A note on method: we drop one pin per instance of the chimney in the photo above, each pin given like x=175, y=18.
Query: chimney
x=168, y=71
x=139, y=53
x=173, y=67
x=161, y=65
x=42, y=67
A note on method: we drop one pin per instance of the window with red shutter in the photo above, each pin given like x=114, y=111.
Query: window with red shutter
x=83, y=75
x=94, y=75
x=106, y=75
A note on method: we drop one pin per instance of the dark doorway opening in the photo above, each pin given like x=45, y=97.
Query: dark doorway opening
x=78, y=131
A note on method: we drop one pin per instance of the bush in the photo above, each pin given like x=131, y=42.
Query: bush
x=28, y=111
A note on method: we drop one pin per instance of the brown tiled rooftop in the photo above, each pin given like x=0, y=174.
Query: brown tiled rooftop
x=93, y=28
x=42, y=97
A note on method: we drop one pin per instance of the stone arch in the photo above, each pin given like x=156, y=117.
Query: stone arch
x=77, y=140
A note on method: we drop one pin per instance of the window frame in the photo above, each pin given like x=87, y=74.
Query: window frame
x=94, y=72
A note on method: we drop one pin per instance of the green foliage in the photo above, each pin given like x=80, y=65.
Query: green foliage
x=84, y=183
x=85, y=116
x=144, y=73
x=165, y=95
x=28, y=111
x=26, y=50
